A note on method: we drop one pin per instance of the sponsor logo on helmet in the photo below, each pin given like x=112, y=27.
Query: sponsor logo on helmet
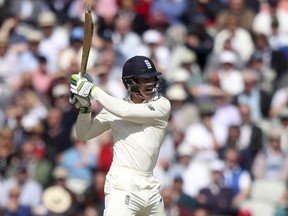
x=148, y=64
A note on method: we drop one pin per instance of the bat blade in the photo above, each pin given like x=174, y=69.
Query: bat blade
x=88, y=34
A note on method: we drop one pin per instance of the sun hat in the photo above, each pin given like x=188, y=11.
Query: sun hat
x=56, y=199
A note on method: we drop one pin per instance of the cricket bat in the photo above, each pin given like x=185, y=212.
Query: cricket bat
x=88, y=34
x=87, y=40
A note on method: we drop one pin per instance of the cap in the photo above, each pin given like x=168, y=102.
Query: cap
x=257, y=56
x=77, y=33
x=56, y=199
x=180, y=75
x=34, y=36
x=184, y=150
x=187, y=57
x=151, y=36
x=217, y=165
x=227, y=57
x=176, y=92
x=59, y=173
x=139, y=67
x=206, y=108
x=60, y=90
x=275, y=133
x=47, y=19
x=106, y=35
x=21, y=168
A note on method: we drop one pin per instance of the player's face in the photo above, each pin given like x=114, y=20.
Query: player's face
x=147, y=86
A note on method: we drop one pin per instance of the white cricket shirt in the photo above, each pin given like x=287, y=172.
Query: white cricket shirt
x=137, y=129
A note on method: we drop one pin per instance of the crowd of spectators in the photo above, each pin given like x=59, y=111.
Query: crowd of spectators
x=225, y=71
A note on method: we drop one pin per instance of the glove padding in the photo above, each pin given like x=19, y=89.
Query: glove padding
x=80, y=89
x=81, y=86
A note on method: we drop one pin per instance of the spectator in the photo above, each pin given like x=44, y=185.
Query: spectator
x=226, y=113
x=238, y=8
x=273, y=59
x=231, y=79
x=210, y=136
x=73, y=51
x=31, y=191
x=233, y=142
x=7, y=150
x=41, y=78
x=194, y=172
x=56, y=135
x=279, y=101
x=213, y=62
x=128, y=7
x=29, y=58
x=272, y=161
x=251, y=136
x=94, y=194
x=236, y=178
x=78, y=162
x=37, y=169
x=283, y=121
x=124, y=39
x=155, y=48
x=265, y=74
x=172, y=12
x=258, y=100
x=200, y=40
x=170, y=206
x=14, y=206
x=269, y=11
x=239, y=37
x=8, y=57
x=27, y=16
x=55, y=38
x=57, y=201
x=216, y=198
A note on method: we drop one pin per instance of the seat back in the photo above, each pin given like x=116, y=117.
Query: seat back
x=267, y=190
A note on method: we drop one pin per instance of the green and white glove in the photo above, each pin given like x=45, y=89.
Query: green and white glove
x=80, y=88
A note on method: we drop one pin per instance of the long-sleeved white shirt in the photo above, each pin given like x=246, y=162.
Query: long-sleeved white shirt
x=137, y=129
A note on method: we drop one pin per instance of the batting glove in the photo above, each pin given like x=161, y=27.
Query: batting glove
x=80, y=89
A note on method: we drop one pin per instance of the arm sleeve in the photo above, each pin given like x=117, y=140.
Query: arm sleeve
x=156, y=112
x=87, y=128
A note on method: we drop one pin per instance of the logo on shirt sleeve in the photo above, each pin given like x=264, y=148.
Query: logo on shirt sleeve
x=151, y=107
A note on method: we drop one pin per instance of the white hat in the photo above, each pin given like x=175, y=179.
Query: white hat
x=59, y=172
x=56, y=199
x=47, y=19
x=180, y=75
x=217, y=165
x=152, y=36
x=227, y=56
x=187, y=57
x=176, y=92
x=77, y=186
x=34, y=35
x=184, y=150
x=60, y=90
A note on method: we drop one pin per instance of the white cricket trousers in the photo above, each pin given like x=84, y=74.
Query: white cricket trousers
x=132, y=193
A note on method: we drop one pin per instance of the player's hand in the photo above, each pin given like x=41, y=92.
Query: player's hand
x=81, y=86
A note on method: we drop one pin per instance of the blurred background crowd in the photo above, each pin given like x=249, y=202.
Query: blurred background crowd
x=225, y=71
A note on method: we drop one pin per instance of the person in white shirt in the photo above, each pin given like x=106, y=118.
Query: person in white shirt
x=138, y=125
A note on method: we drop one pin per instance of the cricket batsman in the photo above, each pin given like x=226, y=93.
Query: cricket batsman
x=138, y=125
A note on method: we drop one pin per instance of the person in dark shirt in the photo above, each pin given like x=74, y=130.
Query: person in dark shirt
x=216, y=198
